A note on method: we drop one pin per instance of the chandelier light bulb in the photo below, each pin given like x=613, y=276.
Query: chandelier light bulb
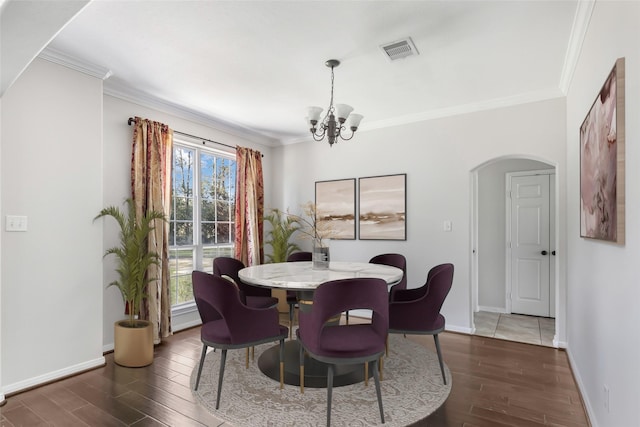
x=343, y=111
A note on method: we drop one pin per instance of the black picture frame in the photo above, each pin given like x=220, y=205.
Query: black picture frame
x=382, y=207
x=335, y=202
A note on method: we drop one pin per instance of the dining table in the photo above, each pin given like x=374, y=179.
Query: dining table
x=303, y=278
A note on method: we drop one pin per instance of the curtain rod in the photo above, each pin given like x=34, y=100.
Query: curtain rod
x=132, y=120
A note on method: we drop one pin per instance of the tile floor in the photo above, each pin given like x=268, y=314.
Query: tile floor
x=516, y=327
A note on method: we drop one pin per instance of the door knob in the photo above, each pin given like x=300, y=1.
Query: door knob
x=553, y=253
x=544, y=252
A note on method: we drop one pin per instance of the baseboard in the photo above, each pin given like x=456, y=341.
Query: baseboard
x=107, y=348
x=559, y=344
x=187, y=325
x=585, y=402
x=500, y=310
x=53, y=376
x=366, y=314
x=459, y=329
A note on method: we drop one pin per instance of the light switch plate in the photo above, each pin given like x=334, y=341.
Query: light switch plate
x=447, y=225
x=16, y=223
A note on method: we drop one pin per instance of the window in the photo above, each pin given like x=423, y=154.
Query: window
x=202, y=215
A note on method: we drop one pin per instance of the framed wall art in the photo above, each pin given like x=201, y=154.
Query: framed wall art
x=383, y=207
x=602, y=168
x=336, y=208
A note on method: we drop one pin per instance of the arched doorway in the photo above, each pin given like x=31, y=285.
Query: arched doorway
x=496, y=269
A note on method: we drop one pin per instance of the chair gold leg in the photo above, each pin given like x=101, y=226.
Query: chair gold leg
x=386, y=346
x=366, y=374
x=247, y=359
x=281, y=375
x=253, y=353
x=301, y=378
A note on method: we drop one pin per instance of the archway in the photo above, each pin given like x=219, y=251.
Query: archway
x=490, y=259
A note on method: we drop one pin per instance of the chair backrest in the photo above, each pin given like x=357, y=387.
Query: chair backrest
x=206, y=295
x=300, y=256
x=336, y=296
x=439, y=282
x=219, y=299
x=394, y=260
x=227, y=266
x=418, y=309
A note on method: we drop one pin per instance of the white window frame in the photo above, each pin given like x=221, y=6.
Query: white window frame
x=197, y=246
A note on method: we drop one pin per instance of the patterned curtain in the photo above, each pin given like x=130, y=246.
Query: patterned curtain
x=151, y=190
x=249, y=246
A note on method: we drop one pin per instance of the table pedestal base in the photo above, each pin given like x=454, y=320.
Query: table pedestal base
x=315, y=372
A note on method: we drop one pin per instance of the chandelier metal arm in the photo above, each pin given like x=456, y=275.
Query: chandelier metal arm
x=318, y=136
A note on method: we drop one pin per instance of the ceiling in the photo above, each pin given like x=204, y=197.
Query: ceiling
x=254, y=66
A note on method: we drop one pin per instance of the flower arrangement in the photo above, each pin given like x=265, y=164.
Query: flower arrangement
x=312, y=225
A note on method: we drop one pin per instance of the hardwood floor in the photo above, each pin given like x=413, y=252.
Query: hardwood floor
x=495, y=383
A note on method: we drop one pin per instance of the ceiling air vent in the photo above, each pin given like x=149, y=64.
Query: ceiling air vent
x=399, y=49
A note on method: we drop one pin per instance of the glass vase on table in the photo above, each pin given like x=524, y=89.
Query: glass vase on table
x=320, y=257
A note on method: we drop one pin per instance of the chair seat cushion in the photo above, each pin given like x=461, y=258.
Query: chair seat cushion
x=351, y=341
x=261, y=302
x=216, y=332
x=407, y=325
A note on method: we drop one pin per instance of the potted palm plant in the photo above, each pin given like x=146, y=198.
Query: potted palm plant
x=133, y=337
x=282, y=228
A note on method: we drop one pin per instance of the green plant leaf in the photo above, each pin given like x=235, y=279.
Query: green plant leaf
x=132, y=256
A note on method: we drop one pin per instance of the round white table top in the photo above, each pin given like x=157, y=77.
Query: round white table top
x=301, y=275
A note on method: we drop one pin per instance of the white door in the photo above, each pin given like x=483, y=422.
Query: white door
x=530, y=251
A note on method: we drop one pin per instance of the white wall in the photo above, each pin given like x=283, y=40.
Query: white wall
x=51, y=275
x=438, y=157
x=2, y=398
x=118, y=137
x=54, y=164
x=492, y=232
x=603, y=279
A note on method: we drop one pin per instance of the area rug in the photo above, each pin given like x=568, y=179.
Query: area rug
x=411, y=390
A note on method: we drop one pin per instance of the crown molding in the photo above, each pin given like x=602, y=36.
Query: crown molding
x=121, y=91
x=492, y=104
x=134, y=96
x=58, y=57
x=578, y=33
x=439, y=113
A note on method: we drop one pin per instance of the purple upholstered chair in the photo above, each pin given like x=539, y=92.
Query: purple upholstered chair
x=229, y=324
x=252, y=296
x=345, y=344
x=292, y=298
x=417, y=311
x=300, y=256
x=394, y=260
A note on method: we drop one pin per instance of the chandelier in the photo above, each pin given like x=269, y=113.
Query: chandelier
x=329, y=127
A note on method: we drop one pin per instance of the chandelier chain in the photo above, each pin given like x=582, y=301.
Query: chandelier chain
x=331, y=107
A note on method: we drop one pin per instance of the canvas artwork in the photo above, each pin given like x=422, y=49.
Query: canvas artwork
x=602, y=162
x=383, y=202
x=336, y=208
